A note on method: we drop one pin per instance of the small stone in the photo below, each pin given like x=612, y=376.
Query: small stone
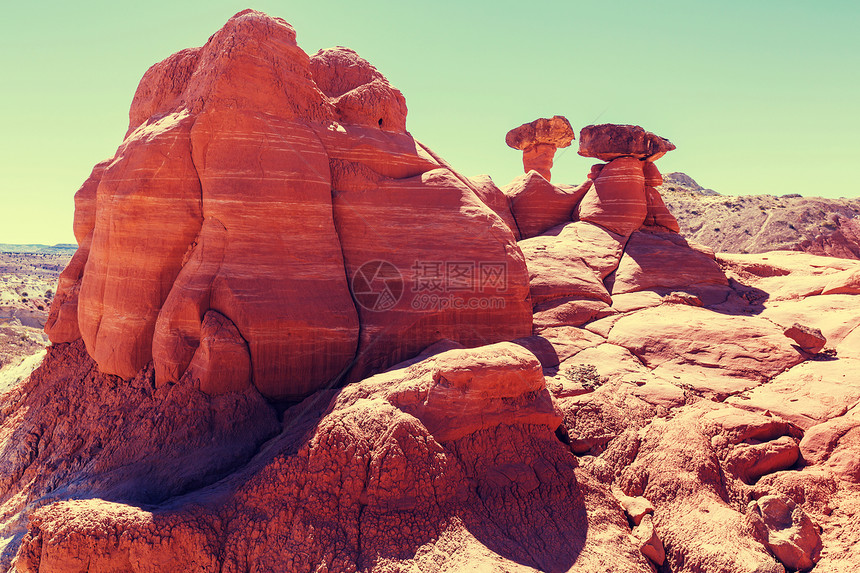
x=786, y=530
x=680, y=297
x=649, y=543
x=636, y=508
x=809, y=339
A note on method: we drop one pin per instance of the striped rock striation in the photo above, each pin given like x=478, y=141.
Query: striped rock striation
x=253, y=186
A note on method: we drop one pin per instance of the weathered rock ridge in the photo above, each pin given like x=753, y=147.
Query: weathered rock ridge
x=294, y=339
x=761, y=223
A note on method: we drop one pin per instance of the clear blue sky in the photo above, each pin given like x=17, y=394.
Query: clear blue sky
x=759, y=96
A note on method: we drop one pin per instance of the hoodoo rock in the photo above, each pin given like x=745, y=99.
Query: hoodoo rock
x=283, y=176
x=293, y=338
x=539, y=140
x=618, y=218
x=624, y=196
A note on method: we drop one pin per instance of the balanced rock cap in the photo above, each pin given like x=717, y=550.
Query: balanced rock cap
x=608, y=141
x=555, y=131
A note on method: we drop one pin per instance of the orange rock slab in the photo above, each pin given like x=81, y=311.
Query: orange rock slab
x=664, y=261
x=220, y=201
x=609, y=141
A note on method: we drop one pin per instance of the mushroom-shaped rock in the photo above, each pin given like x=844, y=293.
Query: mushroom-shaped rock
x=608, y=141
x=538, y=141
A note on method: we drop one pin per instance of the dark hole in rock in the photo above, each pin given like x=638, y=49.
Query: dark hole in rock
x=562, y=435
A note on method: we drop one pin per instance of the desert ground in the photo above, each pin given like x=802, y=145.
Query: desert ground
x=28, y=279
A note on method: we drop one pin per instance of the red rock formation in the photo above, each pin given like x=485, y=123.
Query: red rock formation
x=495, y=199
x=62, y=323
x=657, y=213
x=572, y=260
x=663, y=261
x=539, y=140
x=617, y=200
x=624, y=195
x=362, y=479
x=258, y=139
x=222, y=362
x=360, y=94
x=843, y=242
x=470, y=287
x=786, y=530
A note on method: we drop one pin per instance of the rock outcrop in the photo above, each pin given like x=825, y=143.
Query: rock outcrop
x=256, y=182
x=611, y=235
x=610, y=141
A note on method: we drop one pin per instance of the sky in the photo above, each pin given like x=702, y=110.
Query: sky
x=759, y=96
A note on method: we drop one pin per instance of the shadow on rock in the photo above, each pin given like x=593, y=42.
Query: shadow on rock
x=527, y=504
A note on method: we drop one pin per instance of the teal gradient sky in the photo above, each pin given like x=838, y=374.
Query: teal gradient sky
x=760, y=96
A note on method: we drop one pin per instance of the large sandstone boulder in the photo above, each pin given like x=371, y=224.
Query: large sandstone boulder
x=255, y=182
x=571, y=260
x=715, y=353
x=467, y=286
x=664, y=261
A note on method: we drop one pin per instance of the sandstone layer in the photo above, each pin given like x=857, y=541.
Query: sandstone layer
x=490, y=457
